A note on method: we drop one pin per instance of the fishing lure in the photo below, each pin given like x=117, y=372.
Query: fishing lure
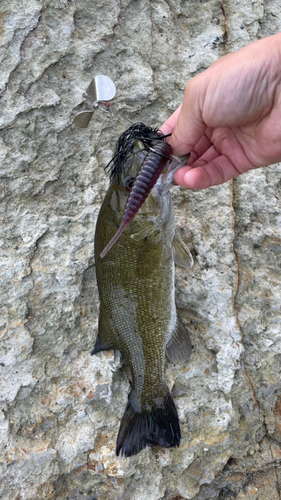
x=158, y=154
x=100, y=90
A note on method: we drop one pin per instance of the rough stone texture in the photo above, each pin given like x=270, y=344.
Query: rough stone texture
x=60, y=407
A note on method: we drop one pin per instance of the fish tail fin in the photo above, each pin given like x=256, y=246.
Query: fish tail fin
x=158, y=426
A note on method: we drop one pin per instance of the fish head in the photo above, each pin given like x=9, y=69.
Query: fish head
x=142, y=218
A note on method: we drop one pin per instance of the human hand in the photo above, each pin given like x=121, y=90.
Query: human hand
x=230, y=118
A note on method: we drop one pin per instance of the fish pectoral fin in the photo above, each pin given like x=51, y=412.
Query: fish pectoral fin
x=105, y=339
x=182, y=254
x=144, y=233
x=178, y=348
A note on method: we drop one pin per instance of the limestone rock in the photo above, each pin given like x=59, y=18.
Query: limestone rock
x=60, y=407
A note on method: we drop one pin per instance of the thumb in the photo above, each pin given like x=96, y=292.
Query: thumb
x=186, y=123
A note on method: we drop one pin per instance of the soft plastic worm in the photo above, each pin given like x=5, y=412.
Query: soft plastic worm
x=146, y=178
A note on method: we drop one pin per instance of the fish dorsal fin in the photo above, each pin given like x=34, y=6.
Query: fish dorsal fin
x=105, y=339
x=182, y=255
x=178, y=348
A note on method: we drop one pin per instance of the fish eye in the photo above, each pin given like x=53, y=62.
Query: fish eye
x=128, y=182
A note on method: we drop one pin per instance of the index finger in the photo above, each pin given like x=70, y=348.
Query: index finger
x=169, y=125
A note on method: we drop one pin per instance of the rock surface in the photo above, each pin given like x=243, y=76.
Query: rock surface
x=60, y=407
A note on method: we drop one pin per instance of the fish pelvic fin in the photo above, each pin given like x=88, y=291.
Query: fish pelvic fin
x=139, y=429
x=178, y=348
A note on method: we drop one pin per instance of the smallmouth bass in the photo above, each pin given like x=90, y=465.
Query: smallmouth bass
x=137, y=300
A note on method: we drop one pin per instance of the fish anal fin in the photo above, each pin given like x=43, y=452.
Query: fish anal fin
x=138, y=429
x=178, y=348
x=105, y=339
x=182, y=254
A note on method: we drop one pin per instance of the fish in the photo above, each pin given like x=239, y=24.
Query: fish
x=136, y=289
